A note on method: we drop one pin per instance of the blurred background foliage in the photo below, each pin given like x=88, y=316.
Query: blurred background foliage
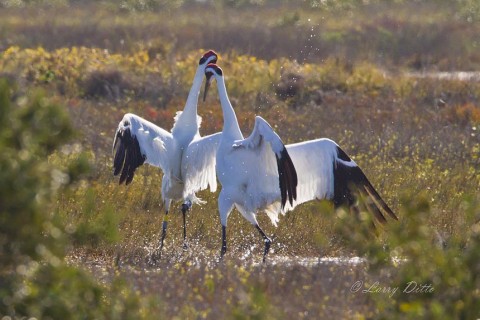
x=436, y=276
x=35, y=280
x=364, y=73
x=428, y=34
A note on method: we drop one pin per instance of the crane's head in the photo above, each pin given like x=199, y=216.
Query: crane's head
x=211, y=70
x=208, y=57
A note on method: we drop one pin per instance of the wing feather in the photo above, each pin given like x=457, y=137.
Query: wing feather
x=351, y=181
x=325, y=171
x=119, y=156
x=374, y=194
x=198, y=164
x=137, y=141
x=263, y=132
x=313, y=163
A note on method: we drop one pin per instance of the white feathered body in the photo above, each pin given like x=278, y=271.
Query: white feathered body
x=252, y=187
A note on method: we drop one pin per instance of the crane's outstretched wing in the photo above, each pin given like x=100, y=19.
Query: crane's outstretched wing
x=137, y=141
x=198, y=164
x=313, y=161
x=286, y=170
x=325, y=171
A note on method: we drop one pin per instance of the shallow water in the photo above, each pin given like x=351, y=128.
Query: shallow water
x=473, y=76
x=314, y=261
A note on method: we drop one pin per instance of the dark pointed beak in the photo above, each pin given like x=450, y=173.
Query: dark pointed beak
x=207, y=85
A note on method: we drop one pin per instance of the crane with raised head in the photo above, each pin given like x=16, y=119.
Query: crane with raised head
x=323, y=171
x=256, y=173
x=186, y=159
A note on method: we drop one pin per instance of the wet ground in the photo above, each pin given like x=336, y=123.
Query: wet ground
x=450, y=75
x=287, y=286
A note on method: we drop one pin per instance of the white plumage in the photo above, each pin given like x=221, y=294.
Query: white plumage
x=256, y=173
x=186, y=159
x=250, y=182
x=315, y=181
x=314, y=161
x=325, y=171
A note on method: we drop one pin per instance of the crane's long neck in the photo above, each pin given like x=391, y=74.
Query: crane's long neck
x=190, y=110
x=187, y=123
x=230, y=122
x=192, y=99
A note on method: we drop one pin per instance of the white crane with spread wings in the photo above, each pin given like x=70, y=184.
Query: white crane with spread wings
x=256, y=173
x=245, y=170
x=186, y=159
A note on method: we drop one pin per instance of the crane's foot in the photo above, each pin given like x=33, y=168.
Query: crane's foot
x=268, y=243
x=154, y=257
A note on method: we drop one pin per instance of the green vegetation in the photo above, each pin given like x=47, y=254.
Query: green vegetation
x=35, y=279
x=435, y=279
x=74, y=243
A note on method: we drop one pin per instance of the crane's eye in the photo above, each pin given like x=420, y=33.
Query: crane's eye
x=125, y=123
x=202, y=60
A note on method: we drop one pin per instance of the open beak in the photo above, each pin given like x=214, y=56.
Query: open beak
x=207, y=85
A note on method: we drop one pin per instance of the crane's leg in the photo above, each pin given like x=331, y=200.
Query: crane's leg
x=225, y=206
x=267, y=240
x=224, y=241
x=164, y=229
x=251, y=216
x=158, y=254
x=185, y=207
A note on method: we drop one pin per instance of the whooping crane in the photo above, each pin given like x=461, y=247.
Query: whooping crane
x=186, y=159
x=256, y=173
x=323, y=169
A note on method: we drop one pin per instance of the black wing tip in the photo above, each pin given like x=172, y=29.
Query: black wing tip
x=343, y=155
x=349, y=180
x=127, y=158
x=376, y=197
x=119, y=158
x=287, y=178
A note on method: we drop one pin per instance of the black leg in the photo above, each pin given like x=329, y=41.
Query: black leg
x=184, y=212
x=224, y=241
x=116, y=263
x=267, y=240
x=158, y=254
x=164, y=229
